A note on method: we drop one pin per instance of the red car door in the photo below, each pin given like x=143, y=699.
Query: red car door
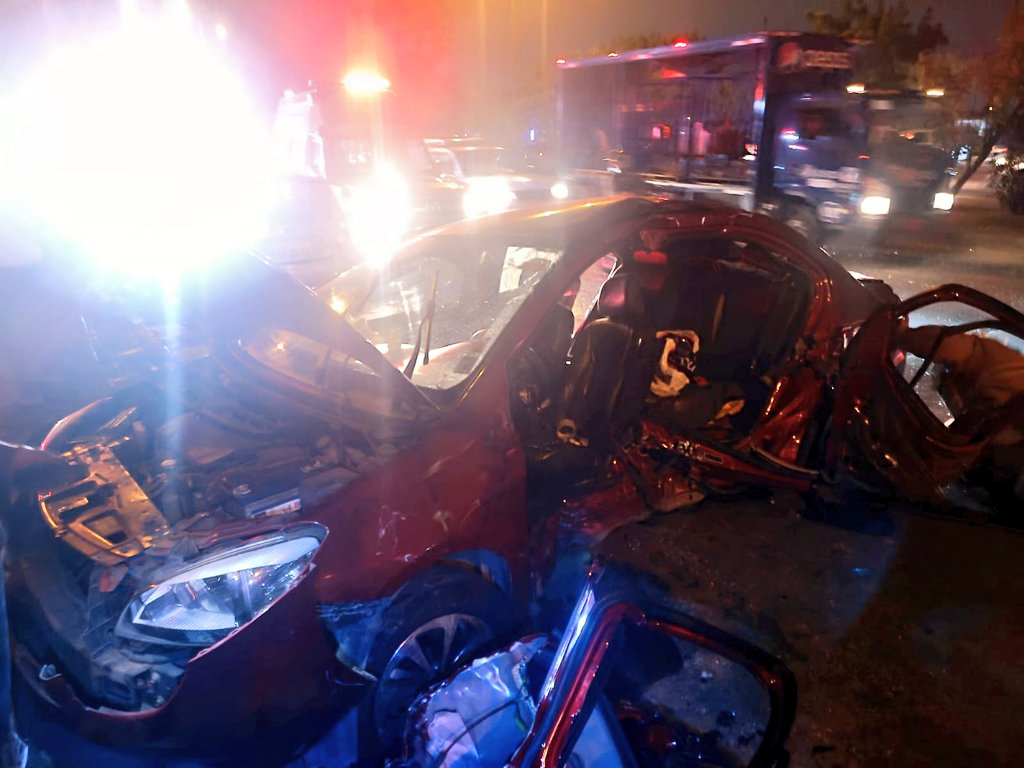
x=886, y=431
x=575, y=724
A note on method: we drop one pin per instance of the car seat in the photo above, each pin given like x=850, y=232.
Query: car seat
x=612, y=360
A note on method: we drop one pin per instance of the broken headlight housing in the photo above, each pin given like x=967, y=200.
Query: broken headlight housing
x=211, y=597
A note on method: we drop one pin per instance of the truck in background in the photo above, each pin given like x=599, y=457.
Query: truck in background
x=769, y=122
x=347, y=135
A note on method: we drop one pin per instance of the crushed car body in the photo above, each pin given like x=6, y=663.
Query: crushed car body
x=306, y=491
x=703, y=697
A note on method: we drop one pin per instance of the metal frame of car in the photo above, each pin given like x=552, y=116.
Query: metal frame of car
x=898, y=443
x=457, y=497
x=569, y=692
x=474, y=429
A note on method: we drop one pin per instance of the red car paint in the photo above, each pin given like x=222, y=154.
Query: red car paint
x=460, y=485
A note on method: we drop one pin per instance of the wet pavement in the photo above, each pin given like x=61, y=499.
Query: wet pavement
x=904, y=636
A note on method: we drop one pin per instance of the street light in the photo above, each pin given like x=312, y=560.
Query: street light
x=364, y=82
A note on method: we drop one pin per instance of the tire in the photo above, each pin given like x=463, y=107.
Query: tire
x=801, y=218
x=425, y=635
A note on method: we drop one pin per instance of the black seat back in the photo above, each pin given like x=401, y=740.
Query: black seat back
x=612, y=360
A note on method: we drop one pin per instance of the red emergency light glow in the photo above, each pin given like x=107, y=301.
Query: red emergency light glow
x=613, y=55
x=560, y=61
x=680, y=44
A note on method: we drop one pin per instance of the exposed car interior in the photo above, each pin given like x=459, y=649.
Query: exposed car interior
x=577, y=402
x=745, y=305
x=743, y=302
x=610, y=367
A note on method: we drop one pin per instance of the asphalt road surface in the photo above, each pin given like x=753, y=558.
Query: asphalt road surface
x=905, y=641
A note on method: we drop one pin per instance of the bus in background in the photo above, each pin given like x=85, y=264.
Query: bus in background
x=764, y=121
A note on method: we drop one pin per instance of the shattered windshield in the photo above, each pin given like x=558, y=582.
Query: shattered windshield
x=435, y=313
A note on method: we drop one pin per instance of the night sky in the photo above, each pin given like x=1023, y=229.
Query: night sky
x=969, y=23
x=451, y=60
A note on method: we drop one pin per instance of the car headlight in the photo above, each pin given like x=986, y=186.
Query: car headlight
x=212, y=597
x=875, y=205
x=943, y=201
x=560, y=190
x=487, y=195
x=379, y=213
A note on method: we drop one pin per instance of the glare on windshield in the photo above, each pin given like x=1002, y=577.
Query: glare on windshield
x=475, y=289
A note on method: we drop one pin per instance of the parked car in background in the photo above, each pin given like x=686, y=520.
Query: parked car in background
x=999, y=155
x=1008, y=182
x=493, y=183
x=314, y=494
x=382, y=173
x=306, y=232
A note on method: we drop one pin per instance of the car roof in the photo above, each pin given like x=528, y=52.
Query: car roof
x=571, y=214
x=562, y=221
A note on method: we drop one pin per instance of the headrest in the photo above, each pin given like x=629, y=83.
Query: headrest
x=620, y=295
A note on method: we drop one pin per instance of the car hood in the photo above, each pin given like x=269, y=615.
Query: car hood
x=204, y=446
x=152, y=474
x=243, y=293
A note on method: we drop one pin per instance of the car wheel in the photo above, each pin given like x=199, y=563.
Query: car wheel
x=428, y=634
x=802, y=219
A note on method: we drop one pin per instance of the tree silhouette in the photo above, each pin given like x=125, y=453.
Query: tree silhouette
x=896, y=43
x=998, y=76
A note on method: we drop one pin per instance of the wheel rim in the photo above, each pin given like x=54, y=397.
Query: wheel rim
x=430, y=652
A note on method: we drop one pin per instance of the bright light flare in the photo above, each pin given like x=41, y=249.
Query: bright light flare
x=875, y=205
x=935, y=93
x=486, y=196
x=855, y=88
x=560, y=190
x=178, y=12
x=380, y=214
x=362, y=82
x=943, y=201
x=141, y=147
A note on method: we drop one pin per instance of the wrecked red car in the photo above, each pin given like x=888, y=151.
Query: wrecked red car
x=309, y=495
x=631, y=682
